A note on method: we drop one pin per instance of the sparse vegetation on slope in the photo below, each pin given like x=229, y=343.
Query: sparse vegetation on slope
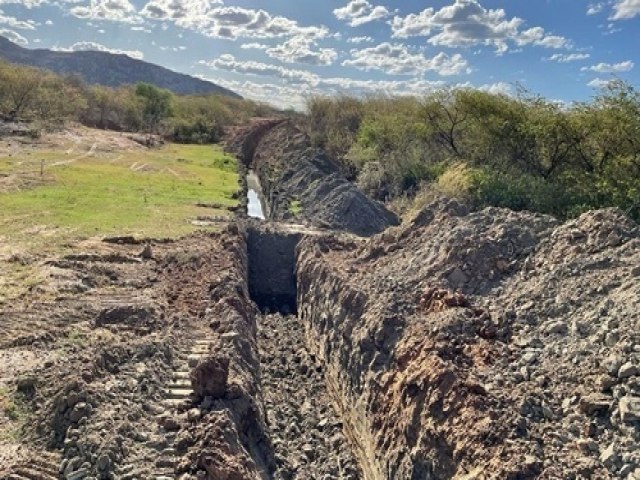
x=46, y=100
x=521, y=152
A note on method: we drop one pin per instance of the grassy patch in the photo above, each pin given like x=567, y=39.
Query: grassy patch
x=139, y=192
x=13, y=408
x=295, y=207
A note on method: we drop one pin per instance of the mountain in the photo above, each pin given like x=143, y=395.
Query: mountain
x=108, y=69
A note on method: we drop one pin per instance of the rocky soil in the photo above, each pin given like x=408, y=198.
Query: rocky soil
x=96, y=388
x=305, y=430
x=462, y=345
x=491, y=344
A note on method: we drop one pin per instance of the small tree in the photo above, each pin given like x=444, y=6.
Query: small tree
x=19, y=89
x=157, y=105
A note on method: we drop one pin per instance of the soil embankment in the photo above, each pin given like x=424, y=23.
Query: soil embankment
x=300, y=182
x=482, y=345
x=156, y=384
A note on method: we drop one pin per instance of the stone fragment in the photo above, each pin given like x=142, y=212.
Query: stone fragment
x=595, y=403
x=169, y=422
x=209, y=377
x=627, y=370
x=609, y=455
x=558, y=327
x=194, y=415
x=457, y=277
x=629, y=409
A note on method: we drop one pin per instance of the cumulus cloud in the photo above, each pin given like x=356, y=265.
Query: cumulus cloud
x=97, y=47
x=302, y=50
x=610, y=67
x=396, y=59
x=26, y=3
x=15, y=37
x=254, y=45
x=13, y=22
x=595, y=8
x=111, y=10
x=568, y=57
x=359, y=12
x=228, y=62
x=467, y=23
x=624, y=9
x=364, y=39
x=210, y=19
x=598, y=83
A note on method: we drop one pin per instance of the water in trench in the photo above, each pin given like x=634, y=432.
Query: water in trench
x=255, y=209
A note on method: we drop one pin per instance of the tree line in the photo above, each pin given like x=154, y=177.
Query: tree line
x=521, y=151
x=47, y=99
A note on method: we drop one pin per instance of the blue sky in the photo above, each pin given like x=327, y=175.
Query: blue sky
x=282, y=51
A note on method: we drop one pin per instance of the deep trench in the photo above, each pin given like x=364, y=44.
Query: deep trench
x=272, y=270
x=304, y=427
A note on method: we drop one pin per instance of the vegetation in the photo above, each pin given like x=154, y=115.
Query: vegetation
x=521, y=152
x=295, y=207
x=31, y=94
x=139, y=192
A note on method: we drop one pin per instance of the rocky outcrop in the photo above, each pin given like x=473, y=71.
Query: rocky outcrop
x=473, y=345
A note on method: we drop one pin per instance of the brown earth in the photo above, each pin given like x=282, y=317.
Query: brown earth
x=483, y=345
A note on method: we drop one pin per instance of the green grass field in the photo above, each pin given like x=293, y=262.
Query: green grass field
x=148, y=193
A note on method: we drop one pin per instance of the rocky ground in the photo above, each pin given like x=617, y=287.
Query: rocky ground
x=463, y=345
x=491, y=344
x=306, y=432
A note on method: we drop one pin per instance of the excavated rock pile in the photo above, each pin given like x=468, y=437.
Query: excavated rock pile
x=491, y=344
x=301, y=182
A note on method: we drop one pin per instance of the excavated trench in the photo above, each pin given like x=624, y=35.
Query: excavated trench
x=306, y=431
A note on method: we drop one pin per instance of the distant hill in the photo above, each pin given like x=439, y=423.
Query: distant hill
x=108, y=69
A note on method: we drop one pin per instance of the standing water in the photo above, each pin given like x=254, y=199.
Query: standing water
x=254, y=207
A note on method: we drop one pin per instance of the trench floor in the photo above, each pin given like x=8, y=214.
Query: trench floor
x=306, y=431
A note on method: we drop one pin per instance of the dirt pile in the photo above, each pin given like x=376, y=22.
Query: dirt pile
x=492, y=344
x=105, y=398
x=301, y=182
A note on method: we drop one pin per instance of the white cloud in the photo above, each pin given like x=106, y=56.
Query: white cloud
x=624, y=9
x=301, y=50
x=467, y=23
x=254, y=45
x=26, y=3
x=595, y=8
x=228, y=22
x=228, y=62
x=111, y=10
x=610, y=67
x=359, y=12
x=15, y=37
x=598, y=83
x=498, y=88
x=13, y=22
x=568, y=57
x=93, y=46
x=396, y=59
x=356, y=40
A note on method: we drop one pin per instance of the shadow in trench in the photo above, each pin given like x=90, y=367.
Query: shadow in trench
x=272, y=270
